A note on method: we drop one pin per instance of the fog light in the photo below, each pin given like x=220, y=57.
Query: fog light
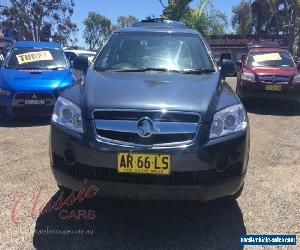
x=69, y=157
x=222, y=162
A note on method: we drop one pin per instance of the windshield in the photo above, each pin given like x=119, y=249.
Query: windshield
x=36, y=58
x=272, y=59
x=176, y=52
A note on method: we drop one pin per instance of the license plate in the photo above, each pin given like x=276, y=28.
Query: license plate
x=136, y=163
x=35, y=102
x=273, y=88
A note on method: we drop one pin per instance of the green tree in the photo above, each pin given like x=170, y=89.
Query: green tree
x=277, y=17
x=242, y=20
x=261, y=13
x=66, y=33
x=286, y=19
x=176, y=9
x=124, y=21
x=206, y=19
x=97, y=29
x=34, y=19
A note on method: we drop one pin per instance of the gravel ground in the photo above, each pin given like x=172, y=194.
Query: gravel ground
x=269, y=204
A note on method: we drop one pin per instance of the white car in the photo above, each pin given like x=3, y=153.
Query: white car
x=72, y=54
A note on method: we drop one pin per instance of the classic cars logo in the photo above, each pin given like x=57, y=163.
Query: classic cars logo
x=274, y=79
x=145, y=127
x=29, y=205
x=34, y=96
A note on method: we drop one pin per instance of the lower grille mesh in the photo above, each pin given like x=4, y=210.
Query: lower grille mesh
x=176, y=178
x=33, y=110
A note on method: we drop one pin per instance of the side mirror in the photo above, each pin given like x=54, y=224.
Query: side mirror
x=81, y=63
x=80, y=66
x=239, y=63
x=228, y=68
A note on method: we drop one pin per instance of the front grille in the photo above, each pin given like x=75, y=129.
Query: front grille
x=167, y=127
x=153, y=140
x=20, y=108
x=28, y=96
x=176, y=178
x=154, y=115
x=274, y=79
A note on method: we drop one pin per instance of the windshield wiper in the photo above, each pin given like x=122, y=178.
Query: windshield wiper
x=146, y=69
x=25, y=68
x=188, y=71
x=55, y=67
x=198, y=71
x=32, y=68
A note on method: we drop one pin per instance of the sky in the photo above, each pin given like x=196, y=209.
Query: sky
x=139, y=8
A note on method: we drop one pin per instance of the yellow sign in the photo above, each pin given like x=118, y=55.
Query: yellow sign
x=153, y=164
x=267, y=57
x=34, y=57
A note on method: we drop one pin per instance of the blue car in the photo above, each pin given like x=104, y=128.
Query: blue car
x=32, y=76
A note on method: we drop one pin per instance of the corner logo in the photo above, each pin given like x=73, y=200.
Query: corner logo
x=145, y=127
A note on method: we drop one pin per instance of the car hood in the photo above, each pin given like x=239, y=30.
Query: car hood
x=25, y=80
x=262, y=71
x=152, y=91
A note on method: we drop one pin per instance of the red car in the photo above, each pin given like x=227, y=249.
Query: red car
x=268, y=73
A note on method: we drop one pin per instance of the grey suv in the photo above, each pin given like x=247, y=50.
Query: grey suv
x=151, y=118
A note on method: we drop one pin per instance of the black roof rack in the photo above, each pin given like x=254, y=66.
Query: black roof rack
x=160, y=23
x=73, y=48
x=153, y=20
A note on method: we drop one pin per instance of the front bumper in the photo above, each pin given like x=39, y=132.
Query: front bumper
x=6, y=106
x=13, y=105
x=194, y=174
x=290, y=92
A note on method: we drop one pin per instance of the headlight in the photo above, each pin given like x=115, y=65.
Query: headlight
x=248, y=76
x=4, y=91
x=67, y=114
x=227, y=121
x=296, y=79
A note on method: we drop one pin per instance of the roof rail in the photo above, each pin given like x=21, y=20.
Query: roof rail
x=160, y=23
x=72, y=47
x=153, y=20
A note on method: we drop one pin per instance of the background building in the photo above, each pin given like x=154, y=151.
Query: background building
x=232, y=47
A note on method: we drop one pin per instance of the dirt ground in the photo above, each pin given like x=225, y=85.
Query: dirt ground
x=270, y=203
